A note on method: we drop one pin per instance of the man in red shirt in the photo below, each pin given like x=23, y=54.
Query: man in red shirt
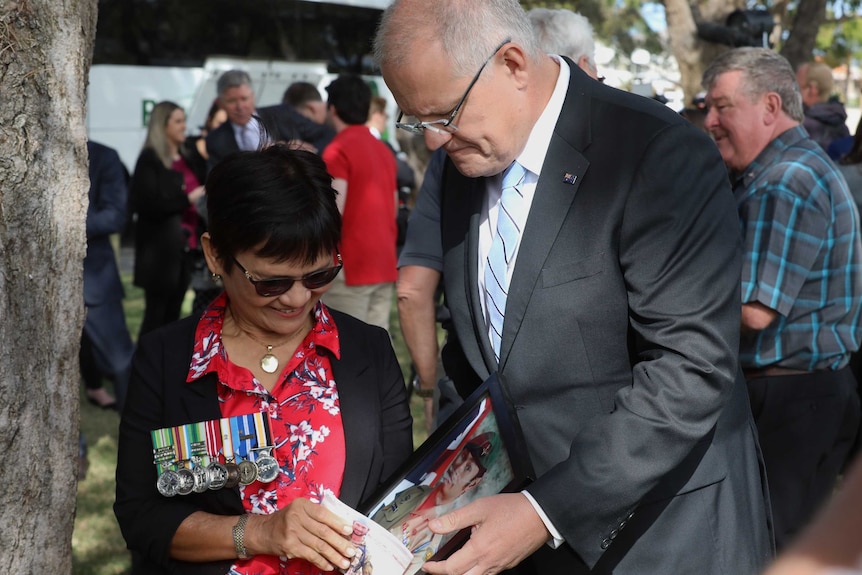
x=364, y=175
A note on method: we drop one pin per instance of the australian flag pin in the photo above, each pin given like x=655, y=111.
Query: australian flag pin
x=569, y=178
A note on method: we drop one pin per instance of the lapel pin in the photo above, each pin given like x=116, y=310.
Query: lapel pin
x=569, y=178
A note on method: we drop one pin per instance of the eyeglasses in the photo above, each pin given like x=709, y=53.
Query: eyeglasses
x=277, y=286
x=445, y=125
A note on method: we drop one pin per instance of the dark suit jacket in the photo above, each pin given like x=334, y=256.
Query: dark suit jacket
x=281, y=122
x=374, y=411
x=620, y=340
x=221, y=143
x=106, y=215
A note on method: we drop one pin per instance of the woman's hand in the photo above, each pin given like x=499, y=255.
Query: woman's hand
x=196, y=194
x=302, y=530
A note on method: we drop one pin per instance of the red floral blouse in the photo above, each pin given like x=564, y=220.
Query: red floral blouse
x=304, y=415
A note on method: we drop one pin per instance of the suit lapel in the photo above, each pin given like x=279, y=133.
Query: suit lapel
x=462, y=198
x=562, y=173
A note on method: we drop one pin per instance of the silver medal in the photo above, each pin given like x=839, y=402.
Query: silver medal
x=202, y=479
x=267, y=467
x=167, y=483
x=186, y=481
x=218, y=475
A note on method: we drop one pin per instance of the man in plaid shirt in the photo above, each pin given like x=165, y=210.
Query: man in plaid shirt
x=801, y=280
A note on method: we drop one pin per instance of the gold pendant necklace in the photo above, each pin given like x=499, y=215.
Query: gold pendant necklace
x=269, y=363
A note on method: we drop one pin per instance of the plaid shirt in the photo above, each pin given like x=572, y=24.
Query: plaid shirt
x=800, y=231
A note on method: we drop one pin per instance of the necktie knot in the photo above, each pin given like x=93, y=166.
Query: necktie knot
x=513, y=175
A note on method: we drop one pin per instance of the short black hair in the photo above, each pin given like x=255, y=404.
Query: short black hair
x=277, y=202
x=351, y=97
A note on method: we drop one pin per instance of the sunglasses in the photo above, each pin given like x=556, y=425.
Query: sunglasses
x=278, y=286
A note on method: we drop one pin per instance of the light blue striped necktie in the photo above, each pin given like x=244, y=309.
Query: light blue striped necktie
x=511, y=217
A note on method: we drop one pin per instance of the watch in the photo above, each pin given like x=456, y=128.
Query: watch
x=421, y=392
x=239, y=536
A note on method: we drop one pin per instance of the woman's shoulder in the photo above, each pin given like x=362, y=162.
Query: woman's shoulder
x=148, y=159
x=172, y=335
x=349, y=324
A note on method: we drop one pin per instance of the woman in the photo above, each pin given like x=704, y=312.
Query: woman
x=330, y=384
x=165, y=187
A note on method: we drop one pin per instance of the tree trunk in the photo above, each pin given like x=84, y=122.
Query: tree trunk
x=800, y=44
x=685, y=45
x=692, y=54
x=45, y=52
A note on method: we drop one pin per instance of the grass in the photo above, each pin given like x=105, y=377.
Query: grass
x=98, y=547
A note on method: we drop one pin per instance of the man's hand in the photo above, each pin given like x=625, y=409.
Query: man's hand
x=506, y=530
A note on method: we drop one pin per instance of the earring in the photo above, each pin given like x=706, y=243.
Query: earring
x=216, y=278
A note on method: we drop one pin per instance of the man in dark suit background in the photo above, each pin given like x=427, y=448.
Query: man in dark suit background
x=243, y=130
x=106, y=347
x=614, y=319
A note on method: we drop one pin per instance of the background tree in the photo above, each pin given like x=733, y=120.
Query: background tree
x=798, y=31
x=45, y=51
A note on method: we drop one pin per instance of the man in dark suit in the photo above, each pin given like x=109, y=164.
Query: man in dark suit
x=247, y=126
x=106, y=347
x=611, y=313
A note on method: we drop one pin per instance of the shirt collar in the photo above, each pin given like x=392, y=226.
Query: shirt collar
x=533, y=155
x=770, y=153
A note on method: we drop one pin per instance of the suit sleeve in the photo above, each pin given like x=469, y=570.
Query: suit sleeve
x=106, y=213
x=678, y=253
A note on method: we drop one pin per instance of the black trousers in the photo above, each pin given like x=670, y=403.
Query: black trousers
x=807, y=425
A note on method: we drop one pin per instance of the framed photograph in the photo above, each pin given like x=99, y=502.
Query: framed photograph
x=478, y=451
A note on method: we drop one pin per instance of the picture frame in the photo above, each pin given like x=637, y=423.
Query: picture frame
x=478, y=451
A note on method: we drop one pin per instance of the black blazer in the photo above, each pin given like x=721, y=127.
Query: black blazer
x=620, y=341
x=159, y=199
x=374, y=410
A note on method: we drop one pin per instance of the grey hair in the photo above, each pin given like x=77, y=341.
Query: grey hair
x=763, y=71
x=467, y=30
x=232, y=79
x=156, y=139
x=820, y=75
x=564, y=32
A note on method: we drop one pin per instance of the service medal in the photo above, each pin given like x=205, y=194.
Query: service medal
x=186, y=483
x=267, y=468
x=202, y=479
x=232, y=475
x=167, y=483
x=247, y=472
x=218, y=475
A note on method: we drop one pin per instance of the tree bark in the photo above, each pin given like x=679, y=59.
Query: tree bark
x=45, y=52
x=800, y=44
x=685, y=45
x=692, y=54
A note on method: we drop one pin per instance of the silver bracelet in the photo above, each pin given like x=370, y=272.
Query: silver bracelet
x=239, y=537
